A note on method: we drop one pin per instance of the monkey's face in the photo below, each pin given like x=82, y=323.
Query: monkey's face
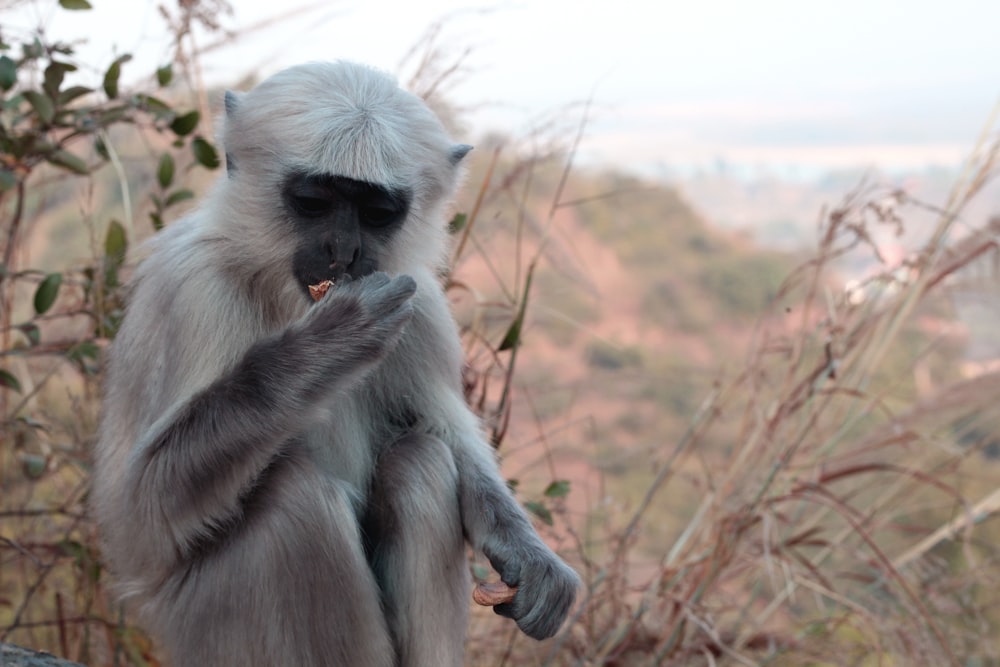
x=341, y=225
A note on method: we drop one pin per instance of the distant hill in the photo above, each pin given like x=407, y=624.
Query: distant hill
x=781, y=212
x=638, y=306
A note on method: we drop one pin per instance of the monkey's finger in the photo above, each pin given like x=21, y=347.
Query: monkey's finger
x=375, y=280
x=391, y=296
x=490, y=595
x=404, y=284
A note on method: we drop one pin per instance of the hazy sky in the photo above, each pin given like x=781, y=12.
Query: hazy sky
x=874, y=81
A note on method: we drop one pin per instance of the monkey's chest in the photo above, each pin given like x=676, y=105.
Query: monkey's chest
x=352, y=431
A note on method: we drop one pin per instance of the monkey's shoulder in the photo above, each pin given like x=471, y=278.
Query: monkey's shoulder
x=183, y=325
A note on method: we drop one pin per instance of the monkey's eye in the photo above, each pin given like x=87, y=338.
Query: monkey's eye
x=311, y=206
x=378, y=216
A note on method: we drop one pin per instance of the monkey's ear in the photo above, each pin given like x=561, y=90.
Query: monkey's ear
x=232, y=101
x=459, y=151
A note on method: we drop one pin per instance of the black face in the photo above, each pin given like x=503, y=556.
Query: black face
x=341, y=224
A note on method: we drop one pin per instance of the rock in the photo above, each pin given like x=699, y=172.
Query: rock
x=15, y=656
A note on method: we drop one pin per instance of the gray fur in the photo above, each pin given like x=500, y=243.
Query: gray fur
x=284, y=483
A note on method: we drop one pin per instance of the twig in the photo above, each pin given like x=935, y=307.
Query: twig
x=979, y=512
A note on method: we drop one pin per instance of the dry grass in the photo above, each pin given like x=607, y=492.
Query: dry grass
x=850, y=522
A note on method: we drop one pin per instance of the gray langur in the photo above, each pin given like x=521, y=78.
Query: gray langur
x=282, y=482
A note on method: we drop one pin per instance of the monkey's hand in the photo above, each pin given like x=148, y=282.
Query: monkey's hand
x=358, y=321
x=546, y=588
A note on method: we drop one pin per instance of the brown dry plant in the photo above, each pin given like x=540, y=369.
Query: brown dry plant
x=852, y=521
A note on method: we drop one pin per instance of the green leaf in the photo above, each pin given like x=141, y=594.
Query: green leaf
x=557, y=489
x=54, y=75
x=513, y=336
x=31, y=332
x=115, y=243
x=73, y=92
x=112, y=75
x=88, y=282
x=165, y=173
x=111, y=80
x=75, y=5
x=33, y=465
x=157, y=221
x=205, y=153
x=67, y=160
x=458, y=223
x=8, y=179
x=8, y=381
x=101, y=148
x=86, y=350
x=41, y=104
x=72, y=548
x=108, y=327
x=185, y=125
x=8, y=72
x=539, y=510
x=83, y=557
x=33, y=51
x=47, y=292
x=153, y=105
x=165, y=74
x=178, y=196
x=108, y=117
x=38, y=145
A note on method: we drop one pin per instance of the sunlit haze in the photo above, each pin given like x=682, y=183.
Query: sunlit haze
x=673, y=85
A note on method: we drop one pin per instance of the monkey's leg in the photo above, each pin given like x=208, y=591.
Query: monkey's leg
x=288, y=586
x=417, y=550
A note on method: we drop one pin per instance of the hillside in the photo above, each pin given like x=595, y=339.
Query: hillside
x=638, y=306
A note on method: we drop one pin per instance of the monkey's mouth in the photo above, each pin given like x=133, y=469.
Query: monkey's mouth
x=310, y=278
x=317, y=287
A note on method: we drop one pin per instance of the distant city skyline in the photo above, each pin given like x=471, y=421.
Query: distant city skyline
x=770, y=82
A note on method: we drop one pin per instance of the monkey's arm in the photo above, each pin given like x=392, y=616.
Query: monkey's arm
x=189, y=472
x=497, y=525
x=492, y=519
x=186, y=475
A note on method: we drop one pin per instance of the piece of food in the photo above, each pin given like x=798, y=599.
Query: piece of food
x=496, y=593
x=319, y=290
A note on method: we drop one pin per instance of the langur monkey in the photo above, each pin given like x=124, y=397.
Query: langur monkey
x=279, y=482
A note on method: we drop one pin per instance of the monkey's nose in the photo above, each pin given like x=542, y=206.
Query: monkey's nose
x=336, y=271
x=341, y=265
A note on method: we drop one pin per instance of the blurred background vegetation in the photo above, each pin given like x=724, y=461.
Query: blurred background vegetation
x=753, y=456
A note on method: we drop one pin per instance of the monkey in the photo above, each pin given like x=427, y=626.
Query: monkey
x=278, y=481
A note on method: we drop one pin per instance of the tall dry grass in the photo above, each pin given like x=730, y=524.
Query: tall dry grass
x=852, y=519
